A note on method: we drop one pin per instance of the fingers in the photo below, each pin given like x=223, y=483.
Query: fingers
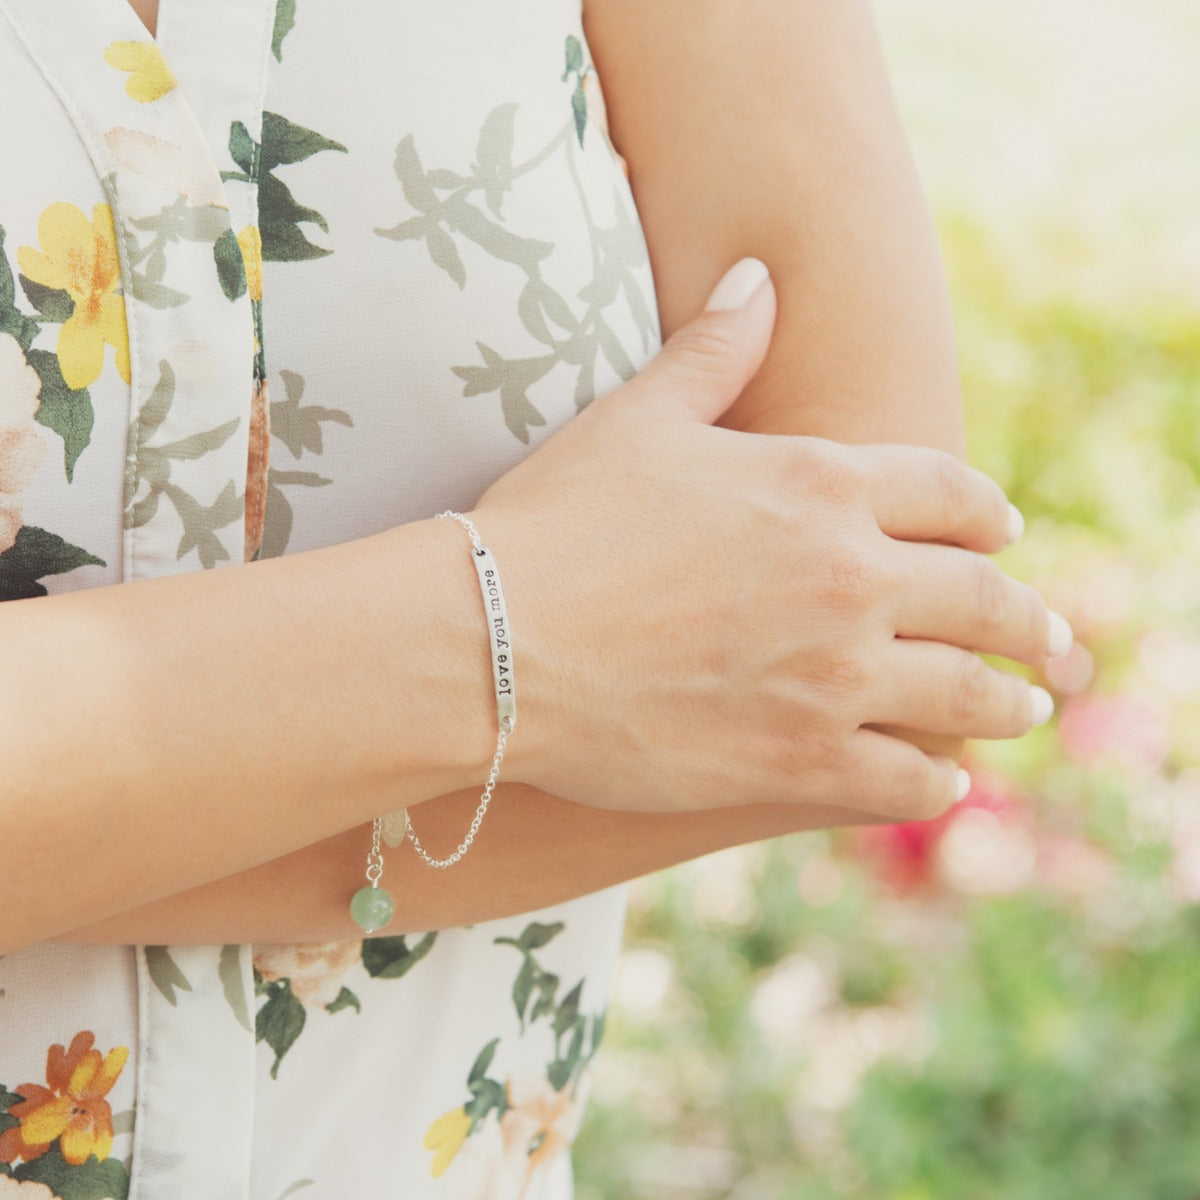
x=896, y=781
x=935, y=688
x=951, y=595
x=924, y=495
x=931, y=743
x=705, y=366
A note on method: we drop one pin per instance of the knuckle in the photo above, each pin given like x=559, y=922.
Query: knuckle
x=1037, y=628
x=795, y=754
x=991, y=594
x=970, y=689
x=850, y=579
x=821, y=468
x=840, y=668
x=703, y=342
x=950, y=484
x=910, y=796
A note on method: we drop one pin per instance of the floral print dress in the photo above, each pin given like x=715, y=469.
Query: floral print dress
x=293, y=274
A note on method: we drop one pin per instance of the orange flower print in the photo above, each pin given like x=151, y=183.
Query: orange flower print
x=71, y=1110
x=79, y=257
x=315, y=972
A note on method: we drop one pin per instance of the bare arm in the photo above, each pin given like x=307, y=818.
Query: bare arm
x=766, y=128
x=761, y=129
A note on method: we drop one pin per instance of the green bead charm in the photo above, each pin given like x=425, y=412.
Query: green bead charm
x=372, y=908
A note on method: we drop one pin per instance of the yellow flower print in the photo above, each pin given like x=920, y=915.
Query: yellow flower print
x=445, y=1138
x=250, y=241
x=150, y=78
x=80, y=257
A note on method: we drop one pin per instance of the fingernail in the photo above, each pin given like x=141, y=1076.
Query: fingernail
x=1059, y=636
x=1016, y=524
x=964, y=786
x=1041, y=704
x=737, y=285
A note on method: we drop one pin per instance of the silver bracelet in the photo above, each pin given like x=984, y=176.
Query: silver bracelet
x=372, y=906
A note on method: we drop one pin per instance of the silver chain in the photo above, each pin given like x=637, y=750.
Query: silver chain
x=480, y=813
x=468, y=525
x=506, y=724
x=375, y=858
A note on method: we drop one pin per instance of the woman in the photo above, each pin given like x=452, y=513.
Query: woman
x=704, y=621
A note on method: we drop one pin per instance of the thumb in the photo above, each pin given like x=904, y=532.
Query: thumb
x=705, y=365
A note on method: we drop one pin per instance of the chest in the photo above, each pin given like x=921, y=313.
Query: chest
x=412, y=255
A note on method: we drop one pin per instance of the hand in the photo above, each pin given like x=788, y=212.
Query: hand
x=704, y=617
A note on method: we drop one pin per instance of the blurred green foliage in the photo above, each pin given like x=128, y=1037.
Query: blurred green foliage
x=1005, y=1004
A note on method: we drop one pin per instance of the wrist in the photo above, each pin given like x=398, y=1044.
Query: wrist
x=440, y=658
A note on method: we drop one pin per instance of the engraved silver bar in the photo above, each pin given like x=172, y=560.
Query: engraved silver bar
x=501, y=640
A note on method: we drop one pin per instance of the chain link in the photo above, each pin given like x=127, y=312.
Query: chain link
x=375, y=858
x=442, y=863
x=468, y=525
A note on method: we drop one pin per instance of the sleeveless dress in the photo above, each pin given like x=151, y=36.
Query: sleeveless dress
x=290, y=275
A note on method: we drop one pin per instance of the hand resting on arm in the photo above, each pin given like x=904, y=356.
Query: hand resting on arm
x=676, y=651
x=816, y=180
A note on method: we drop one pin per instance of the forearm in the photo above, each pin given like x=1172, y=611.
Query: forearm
x=533, y=851
x=220, y=719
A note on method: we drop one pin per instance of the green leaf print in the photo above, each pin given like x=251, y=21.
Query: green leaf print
x=7, y=1100
x=51, y=304
x=344, y=999
x=568, y=1011
x=445, y=218
x=242, y=149
x=280, y=215
x=63, y=409
x=279, y=1022
x=231, y=269
x=536, y=936
x=285, y=143
x=285, y=20
x=445, y=254
x=392, y=957
x=522, y=988
x=12, y=322
x=579, y=110
x=34, y=555
x=493, y=155
x=165, y=973
x=298, y=426
x=559, y=1072
x=233, y=984
x=575, y=65
x=148, y=476
x=280, y=218
x=91, y=1180
x=200, y=521
x=574, y=54
x=482, y=1061
x=511, y=378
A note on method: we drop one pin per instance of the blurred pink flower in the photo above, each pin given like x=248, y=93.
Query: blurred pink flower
x=1115, y=729
x=907, y=856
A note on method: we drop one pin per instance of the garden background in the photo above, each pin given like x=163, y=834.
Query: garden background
x=1005, y=1003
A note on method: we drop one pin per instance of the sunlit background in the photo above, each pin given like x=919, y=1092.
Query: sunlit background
x=1005, y=1004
